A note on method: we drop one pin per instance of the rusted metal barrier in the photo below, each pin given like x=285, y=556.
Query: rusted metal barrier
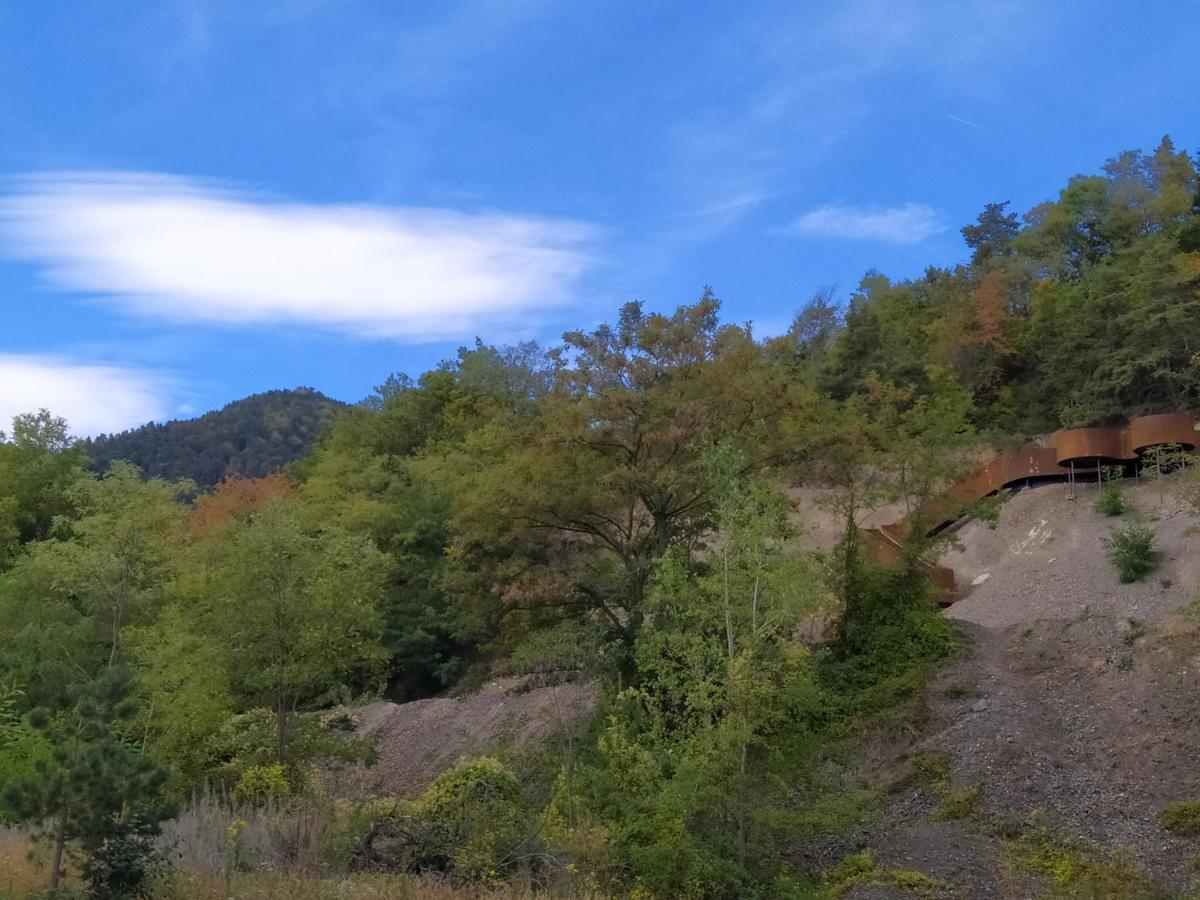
x=1075, y=452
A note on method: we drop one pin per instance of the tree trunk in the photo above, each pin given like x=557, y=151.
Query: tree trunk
x=60, y=841
x=281, y=715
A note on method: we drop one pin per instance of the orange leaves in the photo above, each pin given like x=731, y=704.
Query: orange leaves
x=990, y=315
x=233, y=499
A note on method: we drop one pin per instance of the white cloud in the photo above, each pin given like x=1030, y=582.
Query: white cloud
x=172, y=249
x=907, y=224
x=92, y=398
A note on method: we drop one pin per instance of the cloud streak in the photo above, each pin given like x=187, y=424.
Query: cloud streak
x=910, y=223
x=182, y=251
x=92, y=398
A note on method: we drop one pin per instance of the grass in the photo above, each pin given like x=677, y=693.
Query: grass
x=958, y=804
x=1075, y=871
x=21, y=873
x=861, y=870
x=1181, y=817
x=22, y=876
x=362, y=886
x=932, y=770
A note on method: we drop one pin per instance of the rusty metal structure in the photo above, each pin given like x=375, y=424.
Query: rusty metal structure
x=1075, y=452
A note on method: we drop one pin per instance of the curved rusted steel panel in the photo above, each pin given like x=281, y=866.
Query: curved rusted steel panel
x=1166, y=428
x=1076, y=451
x=1091, y=444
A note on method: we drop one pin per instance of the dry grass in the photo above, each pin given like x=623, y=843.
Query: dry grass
x=21, y=877
x=276, y=886
x=280, y=851
x=18, y=876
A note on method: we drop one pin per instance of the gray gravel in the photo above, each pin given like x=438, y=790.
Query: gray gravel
x=1046, y=559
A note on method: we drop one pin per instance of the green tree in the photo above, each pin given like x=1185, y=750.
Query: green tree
x=96, y=789
x=39, y=464
x=573, y=510
x=696, y=760
x=296, y=612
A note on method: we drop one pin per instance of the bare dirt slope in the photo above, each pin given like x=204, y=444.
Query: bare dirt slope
x=418, y=741
x=1075, y=709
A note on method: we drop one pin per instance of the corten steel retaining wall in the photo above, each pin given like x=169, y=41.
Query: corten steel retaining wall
x=1075, y=451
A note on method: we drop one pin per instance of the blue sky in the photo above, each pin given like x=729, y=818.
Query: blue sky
x=202, y=199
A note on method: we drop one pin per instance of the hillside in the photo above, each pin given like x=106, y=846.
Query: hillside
x=250, y=437
x=1048, y=751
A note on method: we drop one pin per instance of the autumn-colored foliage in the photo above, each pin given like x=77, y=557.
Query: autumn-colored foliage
x=233, y=499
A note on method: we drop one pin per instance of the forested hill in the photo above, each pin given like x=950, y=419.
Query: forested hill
x=250, y=437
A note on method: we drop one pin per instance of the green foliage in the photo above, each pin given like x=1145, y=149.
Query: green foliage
x=569, y=512
x=931, y=769
x=688, y=786
x=889, y=639
x=861, y=870
x=1096, y=292
x=600, y=508
x=24, y=751
x=989, y=508
x=352, y=844
x=249, y=741
x=38, y=466
x=958, y=804
x=470, y=823
x=1075, y=871
x=478, y=806
x=1111, y=502
x=1181, y=817
x=95, y=789
x=262, y=784
x=250, y=438
x=295, y=613
x=1132, y=552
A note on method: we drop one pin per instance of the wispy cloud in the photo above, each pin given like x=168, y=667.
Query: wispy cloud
x=907, y=224
x=92, y=398
x=182, y=251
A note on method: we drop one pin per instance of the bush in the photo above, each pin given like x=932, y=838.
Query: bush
x=469, y=823
x=1181, y=817
x=477, y=805
x=1132, y=551
x=125, y=862
x=262, y=784
x=353, y=845
x=1110, y=501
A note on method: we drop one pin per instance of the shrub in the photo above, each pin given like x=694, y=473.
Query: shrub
x=469, y=823
x=125, y=862
x=1110, y=502
x=477, y=805
x=353, y=844
x=1181, y=817
x=262, y=784
x=1132, y=551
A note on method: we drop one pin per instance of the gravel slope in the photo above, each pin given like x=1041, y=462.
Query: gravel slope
x=1076, y=705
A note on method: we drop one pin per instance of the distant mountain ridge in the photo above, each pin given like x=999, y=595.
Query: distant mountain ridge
x=251, y=437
